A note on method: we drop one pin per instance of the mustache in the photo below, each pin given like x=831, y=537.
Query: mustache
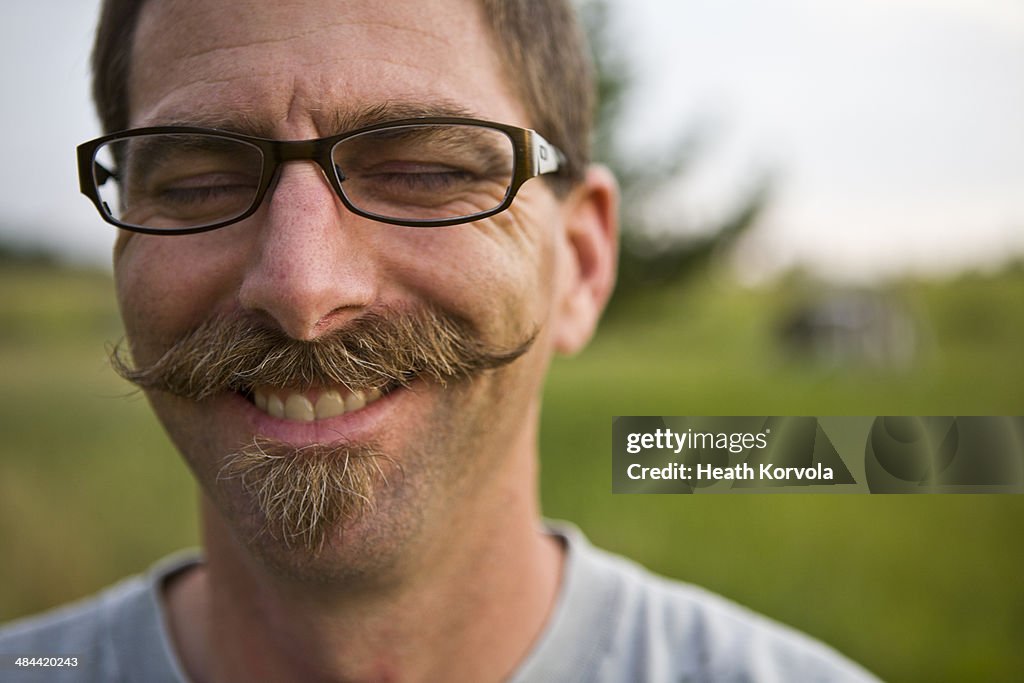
x=381, y=349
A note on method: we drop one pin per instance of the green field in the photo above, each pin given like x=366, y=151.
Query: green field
x=918, y=588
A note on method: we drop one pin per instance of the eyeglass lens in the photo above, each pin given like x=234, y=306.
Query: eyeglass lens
x=409, y=173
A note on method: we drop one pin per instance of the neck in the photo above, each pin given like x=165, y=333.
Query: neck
x=485, y=581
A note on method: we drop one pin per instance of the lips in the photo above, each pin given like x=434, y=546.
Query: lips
x=311, y=405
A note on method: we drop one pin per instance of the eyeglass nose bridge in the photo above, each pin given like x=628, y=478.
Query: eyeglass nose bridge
x=280, y=152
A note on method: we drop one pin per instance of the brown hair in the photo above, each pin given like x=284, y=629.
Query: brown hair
x=540, y=42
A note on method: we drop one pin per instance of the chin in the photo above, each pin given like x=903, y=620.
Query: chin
x=363, y=550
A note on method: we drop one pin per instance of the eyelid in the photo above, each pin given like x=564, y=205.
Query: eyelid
x=218, y=175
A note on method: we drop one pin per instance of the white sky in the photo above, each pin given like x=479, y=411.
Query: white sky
x=894, y=128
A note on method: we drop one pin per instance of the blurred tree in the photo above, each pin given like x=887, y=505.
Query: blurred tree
x=15, y=252
x=653, y=254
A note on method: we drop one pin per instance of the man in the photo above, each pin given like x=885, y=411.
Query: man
x=346, y=338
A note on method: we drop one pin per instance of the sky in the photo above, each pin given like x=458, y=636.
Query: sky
x=891, y=129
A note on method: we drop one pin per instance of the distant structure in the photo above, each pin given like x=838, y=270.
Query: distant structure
x=851, y=328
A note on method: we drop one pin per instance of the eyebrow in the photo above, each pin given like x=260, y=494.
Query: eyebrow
x=332, y=122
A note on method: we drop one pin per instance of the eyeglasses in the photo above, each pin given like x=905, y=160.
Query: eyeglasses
x=423, y=172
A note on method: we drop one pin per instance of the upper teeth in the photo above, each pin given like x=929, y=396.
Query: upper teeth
x=310, y=406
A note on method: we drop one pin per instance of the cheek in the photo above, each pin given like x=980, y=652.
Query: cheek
x=526, y=241
x=166, y=285
x=496, y=272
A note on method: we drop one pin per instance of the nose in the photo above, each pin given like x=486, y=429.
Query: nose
x=310, y=270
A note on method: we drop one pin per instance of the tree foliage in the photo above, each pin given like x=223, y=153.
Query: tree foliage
x=653, y=254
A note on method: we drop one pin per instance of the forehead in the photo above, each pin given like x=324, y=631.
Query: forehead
x=302, y=67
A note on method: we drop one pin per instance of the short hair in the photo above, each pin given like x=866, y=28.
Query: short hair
x=540, y=43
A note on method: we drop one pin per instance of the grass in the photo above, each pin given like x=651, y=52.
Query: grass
x=914, y=587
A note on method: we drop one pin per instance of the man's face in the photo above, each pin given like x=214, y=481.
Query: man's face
x=306, y=266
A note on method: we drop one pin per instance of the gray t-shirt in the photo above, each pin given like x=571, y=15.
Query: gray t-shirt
x=614, y=623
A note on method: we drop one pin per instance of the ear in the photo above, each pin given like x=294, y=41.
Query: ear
x=589, y=258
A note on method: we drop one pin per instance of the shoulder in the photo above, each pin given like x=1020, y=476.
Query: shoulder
x=107, y=634
x=80, y=631
x=658, y=629
x=727, y=641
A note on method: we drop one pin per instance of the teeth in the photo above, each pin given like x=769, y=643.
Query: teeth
x=275, y=407
x=299, y=407
x=330, y=404
x=355, y=401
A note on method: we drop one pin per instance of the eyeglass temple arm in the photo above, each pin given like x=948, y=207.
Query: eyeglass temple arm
x=546, y=157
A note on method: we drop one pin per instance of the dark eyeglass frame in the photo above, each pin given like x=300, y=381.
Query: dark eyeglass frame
x=533, y=156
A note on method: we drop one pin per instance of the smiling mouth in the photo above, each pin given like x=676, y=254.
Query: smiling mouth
x=313, y=404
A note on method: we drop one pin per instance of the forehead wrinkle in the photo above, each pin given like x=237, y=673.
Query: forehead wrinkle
x=439, y=38
x=217, y=49
x=298, y=97
x=248, y=43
